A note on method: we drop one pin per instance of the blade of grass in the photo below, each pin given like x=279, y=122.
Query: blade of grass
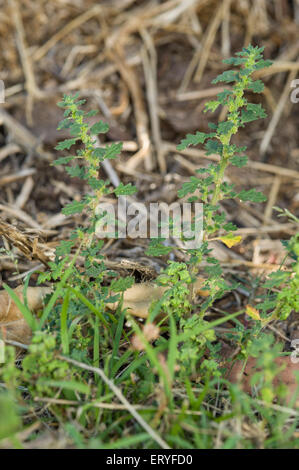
x=173, y=349
x=31, y=321
x=26, y=284
x=68, y=385
x=58, y=290
x=89, y=305
x=63, y=324
x=96, y=343
x=119, y=328
x=157, y=307
x=129, y=369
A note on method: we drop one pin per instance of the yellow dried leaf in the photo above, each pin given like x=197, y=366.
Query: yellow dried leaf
x=231, y=241
x=253, y=313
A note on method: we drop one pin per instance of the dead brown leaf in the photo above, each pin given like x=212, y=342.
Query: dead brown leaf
x=12, y=323
x=138, y=298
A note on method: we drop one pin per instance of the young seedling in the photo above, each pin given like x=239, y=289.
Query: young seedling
x=85, y=285
x=209, y=187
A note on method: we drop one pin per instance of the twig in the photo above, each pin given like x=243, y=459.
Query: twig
x=17, y=176
x=209, y=39
x=29, y=248
x=9, y=149
x=272, y=199
x=131, y=80
x=150, y=72
x=33, y=90
x=277, y=114
x=23, y=136
x=74, y=24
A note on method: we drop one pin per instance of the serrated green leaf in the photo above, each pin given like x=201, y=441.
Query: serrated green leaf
x=63, y=160
x=250, y=50
x=239, y=149
x=189, y=187
x=156, y=248
x=211, y=105
x=193, y=199
x=245, y=72
x=61, y=104
x=66, y=144
x=193, y=139
x=276, y=279
x=75, y=129
x=252, y=195
x=257, y=86
x=122, y=284
x=74, y=207
x=253, y=112
x=67, y=112
x=76, y=171
x=80, y=102
x=234, y=61
x=263, y=63
x=239, y=160
x=64, y=247
x=125, y=190
x=213, y=146
x=224, y=95
x=225, y=127
x=91, y=113
x=229, y=227
x=95, y=183
x=228, y=76
x=266, y=305
x=99, y=152
x=113, y=150
x=99, y=128
x=213, y=271
x=65, y=123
